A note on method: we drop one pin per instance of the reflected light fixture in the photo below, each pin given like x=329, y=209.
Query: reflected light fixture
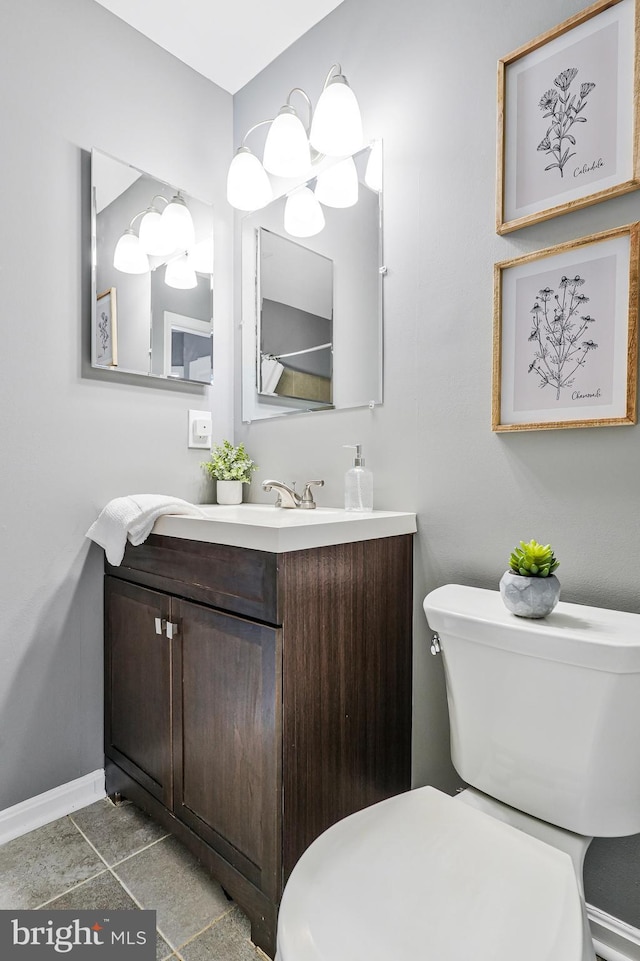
x=201, y=256
x=291, y=148
x=154, y=237
x=337, y=186
x=178, y=223
x=179, y=273
x=171, y=232
x=373, y=172
x=303, y=216
x=129, y=257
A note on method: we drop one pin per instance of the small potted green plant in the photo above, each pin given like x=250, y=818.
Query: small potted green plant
x=230, y=467
x=529, y=588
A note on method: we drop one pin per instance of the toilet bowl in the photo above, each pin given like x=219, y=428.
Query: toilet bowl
x=537, y=711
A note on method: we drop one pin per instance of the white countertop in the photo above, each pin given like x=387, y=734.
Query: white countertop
x=263, y=527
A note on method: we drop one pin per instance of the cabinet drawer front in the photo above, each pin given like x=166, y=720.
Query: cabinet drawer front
x=231, y=578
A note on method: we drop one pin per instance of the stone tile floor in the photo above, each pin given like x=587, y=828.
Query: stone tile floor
x=109, y=857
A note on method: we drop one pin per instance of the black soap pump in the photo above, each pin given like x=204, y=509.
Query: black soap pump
x=358, y=484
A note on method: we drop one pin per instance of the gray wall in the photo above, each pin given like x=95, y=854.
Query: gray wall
x=73, y=76
x=425, y=76
x=285, y=329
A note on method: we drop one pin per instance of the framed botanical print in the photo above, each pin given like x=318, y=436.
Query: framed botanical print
x=568, y=106
x=565, y=334
x=105, y=333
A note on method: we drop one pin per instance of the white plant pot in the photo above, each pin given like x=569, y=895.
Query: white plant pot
x=229, y=492
x=529, y=596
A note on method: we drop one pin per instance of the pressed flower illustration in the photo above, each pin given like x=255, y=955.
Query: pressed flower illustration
x=564, y=109
x=558, y=330
x=103, y=329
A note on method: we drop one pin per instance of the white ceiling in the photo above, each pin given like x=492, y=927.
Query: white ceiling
x=228, y=41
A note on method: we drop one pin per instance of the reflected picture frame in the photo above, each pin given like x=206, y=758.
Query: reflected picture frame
x=104, y=342
x=565, y=334
x=568, y=116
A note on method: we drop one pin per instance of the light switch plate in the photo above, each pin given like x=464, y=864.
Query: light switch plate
x=200, y=428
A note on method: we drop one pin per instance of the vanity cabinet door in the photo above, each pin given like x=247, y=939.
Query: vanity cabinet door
x=138, y=685
x=227, y=737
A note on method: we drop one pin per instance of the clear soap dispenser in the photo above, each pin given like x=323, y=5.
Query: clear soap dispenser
x=358, y=484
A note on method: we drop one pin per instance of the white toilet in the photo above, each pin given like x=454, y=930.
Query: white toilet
x=540, y=713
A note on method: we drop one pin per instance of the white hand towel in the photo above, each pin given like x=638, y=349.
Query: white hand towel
x=133, y=517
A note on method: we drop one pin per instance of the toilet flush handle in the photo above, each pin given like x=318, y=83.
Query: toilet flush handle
x=435, y=644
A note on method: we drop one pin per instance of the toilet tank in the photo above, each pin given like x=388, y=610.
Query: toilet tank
x=544, y=714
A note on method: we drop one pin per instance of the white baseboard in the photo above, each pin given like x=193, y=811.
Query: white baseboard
x=54, y=804
x=614, y=940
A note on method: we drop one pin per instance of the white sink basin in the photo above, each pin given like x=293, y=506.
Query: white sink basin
x=263, y=527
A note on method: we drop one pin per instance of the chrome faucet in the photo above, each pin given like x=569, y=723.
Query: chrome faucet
x=289, y=498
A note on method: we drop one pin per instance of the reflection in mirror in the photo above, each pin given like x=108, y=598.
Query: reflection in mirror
x=312, y=305
x=152, y=275
x=295, y=320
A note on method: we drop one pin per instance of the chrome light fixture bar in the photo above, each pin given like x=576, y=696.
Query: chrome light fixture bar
x=292, y=148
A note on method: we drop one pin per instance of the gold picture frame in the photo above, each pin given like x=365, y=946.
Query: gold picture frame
x=104, y=343
x=556, y=362
x=568, y=116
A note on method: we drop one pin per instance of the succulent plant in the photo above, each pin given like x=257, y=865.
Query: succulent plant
x=533, y=560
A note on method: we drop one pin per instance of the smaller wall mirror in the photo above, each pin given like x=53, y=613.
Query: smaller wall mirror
x=152, y=275
x=312, y=305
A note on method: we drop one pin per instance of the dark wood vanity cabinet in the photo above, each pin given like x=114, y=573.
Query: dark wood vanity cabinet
x=253, y=699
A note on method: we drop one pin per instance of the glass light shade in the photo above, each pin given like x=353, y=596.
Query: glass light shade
x=337, y=186
x=248, y=186
x=373, y=171
x=303, y=216
x=286, y=149
x=129, y=257
x=336, y=128
x=153, y=235
x=201, y=256
x=180, y=274
x=178, y=224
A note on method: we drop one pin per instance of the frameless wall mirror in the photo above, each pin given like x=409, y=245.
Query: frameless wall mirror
x=152, y=275
x=312, y=305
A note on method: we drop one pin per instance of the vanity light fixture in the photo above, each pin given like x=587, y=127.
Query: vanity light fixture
x=287, y=152
x=291, y=149
x=336, y=127
x=248, y=186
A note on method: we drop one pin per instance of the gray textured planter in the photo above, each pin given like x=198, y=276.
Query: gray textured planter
x=529, y=596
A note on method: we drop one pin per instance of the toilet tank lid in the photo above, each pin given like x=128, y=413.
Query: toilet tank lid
x=590, y=637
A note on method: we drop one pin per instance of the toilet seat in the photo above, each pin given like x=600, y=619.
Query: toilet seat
x=423, y=876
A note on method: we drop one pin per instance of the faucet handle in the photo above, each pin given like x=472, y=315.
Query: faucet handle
x=307, y=502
